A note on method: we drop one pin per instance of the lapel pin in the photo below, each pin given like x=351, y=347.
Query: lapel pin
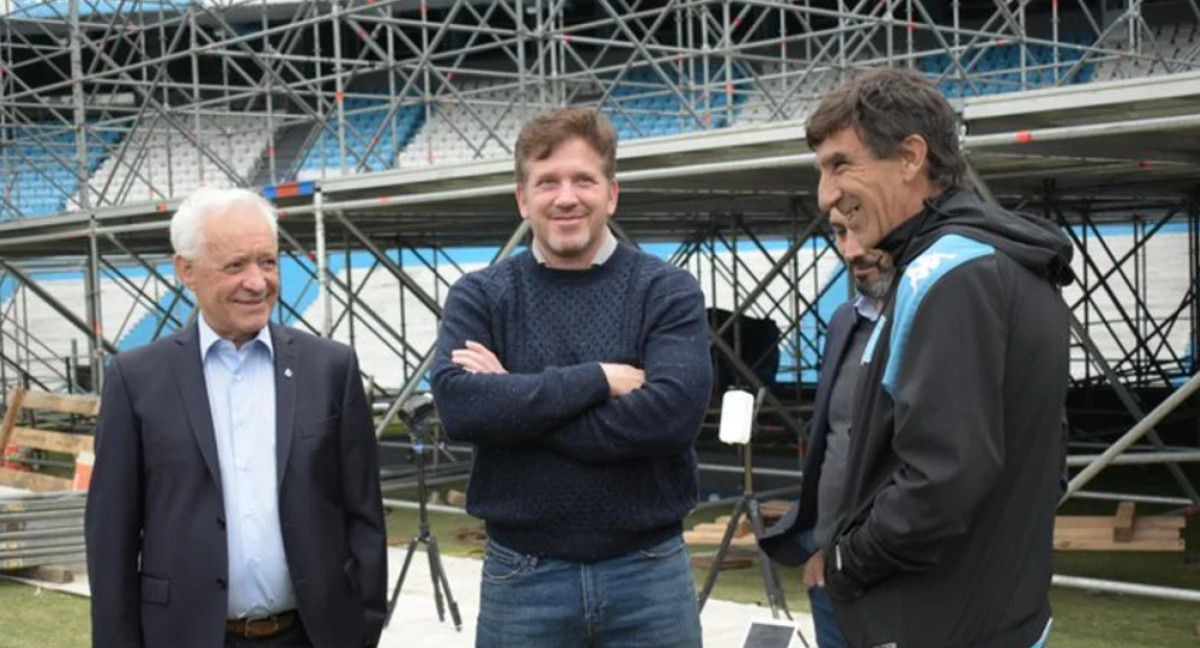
x=287, y=372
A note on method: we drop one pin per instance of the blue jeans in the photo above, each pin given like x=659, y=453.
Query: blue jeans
x=643, y=599
x=828, y=633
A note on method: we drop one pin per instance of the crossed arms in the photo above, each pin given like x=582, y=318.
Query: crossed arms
x=592, y=411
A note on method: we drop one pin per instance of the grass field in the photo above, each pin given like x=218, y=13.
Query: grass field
x=32, y=618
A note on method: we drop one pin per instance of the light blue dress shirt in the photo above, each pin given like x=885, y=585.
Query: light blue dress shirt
x=241, y=395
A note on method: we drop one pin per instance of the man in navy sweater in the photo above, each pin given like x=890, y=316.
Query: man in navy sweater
x=580, y=372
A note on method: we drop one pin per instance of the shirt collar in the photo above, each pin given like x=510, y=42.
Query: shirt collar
x=607, y=248
x=867, y=308
x=209, y=337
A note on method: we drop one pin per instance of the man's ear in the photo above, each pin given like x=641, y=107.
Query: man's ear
x=914, y=154
x=521, y=200
x=186, y=271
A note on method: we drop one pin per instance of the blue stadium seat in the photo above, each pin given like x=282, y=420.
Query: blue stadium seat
x=655, y=109
x=34, y=179
x=365, y=116
x=998, y=69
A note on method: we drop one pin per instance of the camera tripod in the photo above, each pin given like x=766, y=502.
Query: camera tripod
x=426, y=537
x=748, y=505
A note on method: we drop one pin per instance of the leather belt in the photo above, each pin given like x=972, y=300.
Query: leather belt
x=262, y=627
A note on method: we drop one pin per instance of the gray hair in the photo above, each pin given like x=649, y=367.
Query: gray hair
x=187, y=223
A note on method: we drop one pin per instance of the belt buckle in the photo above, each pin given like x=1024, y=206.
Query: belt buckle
x=273, y=618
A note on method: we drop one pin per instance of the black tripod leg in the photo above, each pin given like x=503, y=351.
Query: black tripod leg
x=412, y=546
x=775, y=596
x=439, y=574
x=433, y=575
x=719, y=559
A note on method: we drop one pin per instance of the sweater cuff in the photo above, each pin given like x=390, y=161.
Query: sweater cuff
x=588, y=381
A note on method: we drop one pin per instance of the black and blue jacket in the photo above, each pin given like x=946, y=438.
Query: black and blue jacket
x=957, y=447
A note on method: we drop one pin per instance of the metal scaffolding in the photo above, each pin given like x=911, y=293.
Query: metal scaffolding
x=383, y=130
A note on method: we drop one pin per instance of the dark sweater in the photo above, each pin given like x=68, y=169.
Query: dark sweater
x=561, y=469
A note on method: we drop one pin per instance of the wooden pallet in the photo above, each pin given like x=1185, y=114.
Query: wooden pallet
x=711, y=533
x=772, y=510
x=1124, y=531
x=70, y=444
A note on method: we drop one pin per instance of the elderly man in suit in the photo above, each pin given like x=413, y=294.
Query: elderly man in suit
x=797, y=539
x=235, y=499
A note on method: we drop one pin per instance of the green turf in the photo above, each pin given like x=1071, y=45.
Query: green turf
x=35, y=618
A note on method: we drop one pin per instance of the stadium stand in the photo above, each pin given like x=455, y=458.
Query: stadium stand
x=419, y=326
x=997, y=69
x=168, y=166
x=459, y=124
x=37, y=167
x=1164, y=54
x=642, y=105
x=371, y=139
x=779, y=80
x=51, y=345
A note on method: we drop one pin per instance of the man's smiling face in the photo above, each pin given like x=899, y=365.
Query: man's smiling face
x=871, y=192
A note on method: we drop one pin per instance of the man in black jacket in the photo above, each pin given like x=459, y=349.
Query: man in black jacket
x=944, y=536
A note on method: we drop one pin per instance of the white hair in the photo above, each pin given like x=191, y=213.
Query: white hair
x=187, y=224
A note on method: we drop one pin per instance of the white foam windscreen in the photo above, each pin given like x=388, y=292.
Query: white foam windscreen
x=737, y=412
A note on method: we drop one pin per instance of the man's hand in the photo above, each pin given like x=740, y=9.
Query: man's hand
x=814, y=570
x=622, y=378
x=476, y=358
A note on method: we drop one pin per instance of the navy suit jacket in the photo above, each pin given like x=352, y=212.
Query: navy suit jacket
x=155, y=524
x=782, y=541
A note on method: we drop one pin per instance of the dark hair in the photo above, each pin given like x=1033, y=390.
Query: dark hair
x=884, y=106
x=549, y=129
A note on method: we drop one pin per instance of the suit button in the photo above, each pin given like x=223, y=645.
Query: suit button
x=221, y=583
x=221, y=522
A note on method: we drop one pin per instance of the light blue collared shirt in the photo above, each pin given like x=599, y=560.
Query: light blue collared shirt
x=867, y=308
x=241, y=395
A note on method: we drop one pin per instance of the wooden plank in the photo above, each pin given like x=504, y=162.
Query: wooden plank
x=1108, y=545
x=774, y=509
x=8, y=564
x=456, y=498
x=33, y=481
x=1106, y=522
x=1099, y=535
x=53, y=441
x=743, y=527
x=84, y=404
x=731, y=561
x=706, y=538
x=48, y=573
x=1122, y=529
x=15, y=398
